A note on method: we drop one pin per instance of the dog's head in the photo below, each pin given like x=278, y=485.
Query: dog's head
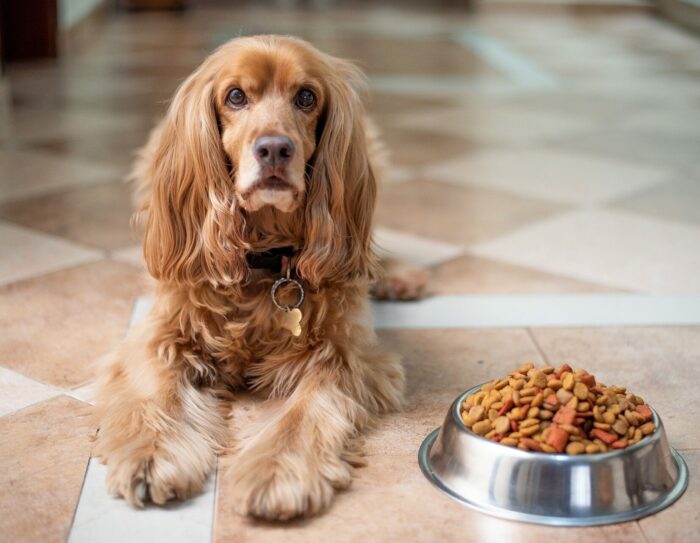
x=264, y=122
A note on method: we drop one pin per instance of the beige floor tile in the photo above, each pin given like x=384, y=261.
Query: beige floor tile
x=408, y=147
x=56, y=326
x=549, y=175
x=470, y=274
x=384, y=107
x=458, y=215
x=31, y=173
x=17, y=391
x=659, y=364
x=387, y=56
x=440, y=364
x=44, y=453
x=26, y=253
x=679, y=523
x=498, y=125
x=390, y=500
x=116, y=150
x=677, y=201
x=613, y=248
x=97, y=216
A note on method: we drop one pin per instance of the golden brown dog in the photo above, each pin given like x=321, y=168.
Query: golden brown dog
x=264, y=146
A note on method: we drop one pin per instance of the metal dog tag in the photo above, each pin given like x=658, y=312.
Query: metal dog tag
x=291, y=319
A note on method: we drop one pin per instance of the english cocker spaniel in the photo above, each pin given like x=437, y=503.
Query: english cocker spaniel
x=258, y=190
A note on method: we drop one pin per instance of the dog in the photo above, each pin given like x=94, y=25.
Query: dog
x=257, y=194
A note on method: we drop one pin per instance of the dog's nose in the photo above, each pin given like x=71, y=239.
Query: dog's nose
x=273, y=150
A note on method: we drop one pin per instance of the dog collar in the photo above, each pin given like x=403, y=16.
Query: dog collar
x=271, y=259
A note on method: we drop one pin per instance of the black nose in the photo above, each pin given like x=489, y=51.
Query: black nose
x=273, y=150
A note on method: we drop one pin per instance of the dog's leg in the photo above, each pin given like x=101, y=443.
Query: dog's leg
x=293, y=459
x=158, y=432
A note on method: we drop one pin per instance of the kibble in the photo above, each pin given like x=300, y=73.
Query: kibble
x=557, y=411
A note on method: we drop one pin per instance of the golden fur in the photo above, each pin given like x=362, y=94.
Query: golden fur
x=213, y=327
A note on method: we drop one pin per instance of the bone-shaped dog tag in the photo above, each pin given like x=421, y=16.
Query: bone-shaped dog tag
x=291, y=320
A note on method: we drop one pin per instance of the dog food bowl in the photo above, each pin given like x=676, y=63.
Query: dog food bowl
x=553, y=489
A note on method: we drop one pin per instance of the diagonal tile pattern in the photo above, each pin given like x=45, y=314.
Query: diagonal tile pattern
x=617, y=249
x=26, y=253
x=458, y=215
x=16, y=391
x=533, y=154
x=552, y=176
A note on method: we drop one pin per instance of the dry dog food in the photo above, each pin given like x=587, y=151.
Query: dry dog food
x=557, y=411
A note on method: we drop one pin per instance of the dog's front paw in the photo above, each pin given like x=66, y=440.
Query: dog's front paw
x=154, y=477
x=285, y=486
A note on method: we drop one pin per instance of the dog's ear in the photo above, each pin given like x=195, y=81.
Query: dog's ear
x=342, y=189
x=191, y=230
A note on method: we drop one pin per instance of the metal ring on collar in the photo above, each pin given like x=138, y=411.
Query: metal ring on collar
x=281, y=281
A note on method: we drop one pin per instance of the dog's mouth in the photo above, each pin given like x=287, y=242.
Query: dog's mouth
x=274, y=190
x=273, y=182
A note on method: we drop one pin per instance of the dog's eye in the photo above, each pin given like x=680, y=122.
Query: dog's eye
x=305, y=99
x=236, y=98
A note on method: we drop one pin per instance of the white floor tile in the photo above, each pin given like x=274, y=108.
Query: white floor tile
x=142, y=306
x=414, y=249
x=18, y=391
x=612, y=248
x=26, y=253
x=104, y=519
x=518, y=310
x=554, y=176
x=130, y=255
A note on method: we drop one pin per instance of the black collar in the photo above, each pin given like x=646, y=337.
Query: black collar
x=270, y=259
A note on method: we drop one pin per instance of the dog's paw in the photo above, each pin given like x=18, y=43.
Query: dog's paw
x=284, y=487
x=154, y=478
x=401, y=282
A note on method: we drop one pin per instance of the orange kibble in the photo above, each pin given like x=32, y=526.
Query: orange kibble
x=565, y=415
x=645, y=411
x=557, y=438
x=604, y=436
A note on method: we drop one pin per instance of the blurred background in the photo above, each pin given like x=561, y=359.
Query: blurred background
x=539, y=147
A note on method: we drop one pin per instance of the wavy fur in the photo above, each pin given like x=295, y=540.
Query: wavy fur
x=213, y=328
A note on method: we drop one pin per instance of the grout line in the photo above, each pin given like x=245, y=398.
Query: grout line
x=641, y=530
x=214, y=516
x=536, y=343
x=80, y=494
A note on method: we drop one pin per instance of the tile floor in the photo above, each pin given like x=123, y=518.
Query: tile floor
x=543, y=154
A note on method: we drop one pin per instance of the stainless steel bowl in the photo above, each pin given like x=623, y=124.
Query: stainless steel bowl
x=554, y=489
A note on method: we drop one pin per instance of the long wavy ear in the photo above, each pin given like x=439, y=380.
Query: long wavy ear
x=342, y=188
x=193, y=230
